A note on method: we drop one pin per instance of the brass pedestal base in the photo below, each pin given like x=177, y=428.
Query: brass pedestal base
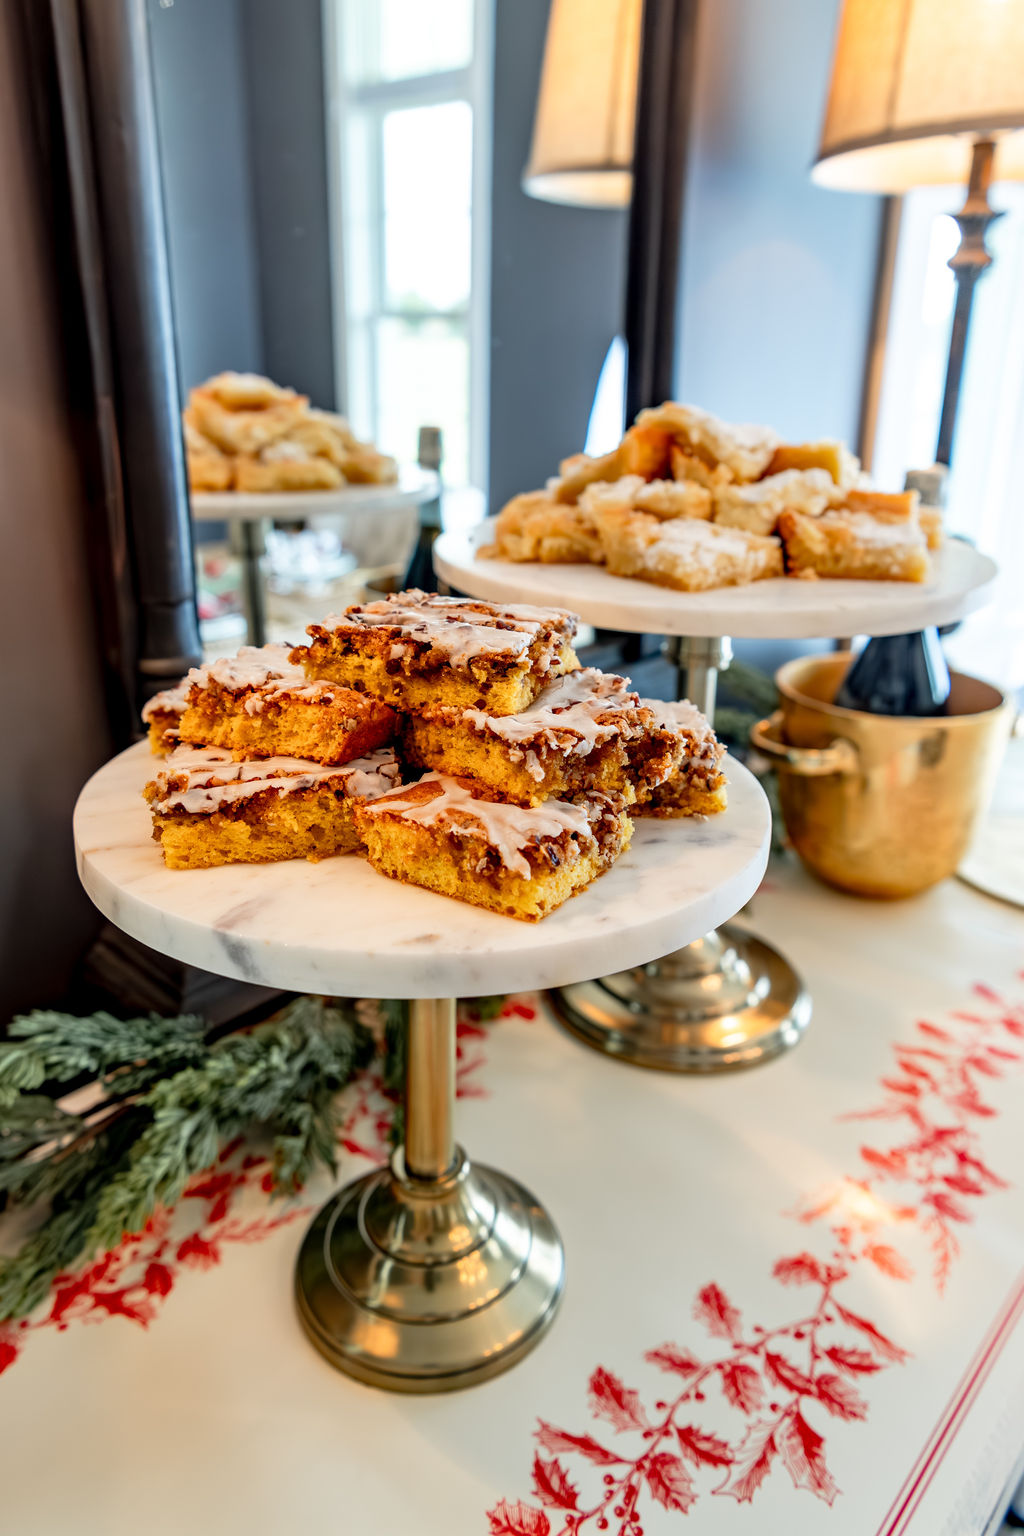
x=426, y=1285
x=727, y=1000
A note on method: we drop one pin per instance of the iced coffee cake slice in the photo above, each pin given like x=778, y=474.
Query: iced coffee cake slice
x=209, y=808
x=585, y=731
x=522, y=862
x=260, y=704
x=413, y=649
x=162, y=716
x=695, y=784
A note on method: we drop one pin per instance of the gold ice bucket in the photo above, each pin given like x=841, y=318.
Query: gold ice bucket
x=881, y=805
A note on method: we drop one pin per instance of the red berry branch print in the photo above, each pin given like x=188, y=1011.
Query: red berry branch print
x=753, y=1403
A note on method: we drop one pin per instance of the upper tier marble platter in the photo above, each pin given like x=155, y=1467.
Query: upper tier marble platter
x=414, y=485
x=781, y=609
x=337, y=927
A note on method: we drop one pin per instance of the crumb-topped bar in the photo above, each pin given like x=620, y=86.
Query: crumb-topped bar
x=696, y=784
x=162, y=714
x=585, y=731
x=209, y=808
x=260, y=704
x=522, y=862
x=413, y=649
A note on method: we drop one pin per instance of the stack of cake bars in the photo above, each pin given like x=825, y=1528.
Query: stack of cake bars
x=457, y=743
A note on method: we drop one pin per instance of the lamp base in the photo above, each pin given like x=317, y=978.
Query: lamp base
x=428, y=1285
x=726, y=1001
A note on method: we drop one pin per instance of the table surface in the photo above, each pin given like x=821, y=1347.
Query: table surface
x=778, y=609
x=337, y=926
x=697, y=1213
x=414, y=485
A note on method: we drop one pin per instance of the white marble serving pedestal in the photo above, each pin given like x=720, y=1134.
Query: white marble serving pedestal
x=248, y=514
x=727, y=1000
x=434, y=1273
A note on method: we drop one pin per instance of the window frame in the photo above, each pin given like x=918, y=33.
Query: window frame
x=352, y=207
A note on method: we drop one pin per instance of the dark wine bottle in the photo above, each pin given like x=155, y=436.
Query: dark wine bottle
x=420, y=570
x=898, y=675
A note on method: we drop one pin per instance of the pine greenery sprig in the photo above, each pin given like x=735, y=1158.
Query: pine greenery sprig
x=163, y=1119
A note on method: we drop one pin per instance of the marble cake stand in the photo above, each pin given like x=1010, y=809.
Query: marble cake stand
x=434, y=1273
x=727, y=1000
x=248, y=515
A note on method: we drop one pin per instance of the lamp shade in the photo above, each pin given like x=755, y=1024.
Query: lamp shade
x=914, y=83
x=582, y=149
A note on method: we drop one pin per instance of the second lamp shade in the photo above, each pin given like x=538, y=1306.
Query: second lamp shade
x=582, y=149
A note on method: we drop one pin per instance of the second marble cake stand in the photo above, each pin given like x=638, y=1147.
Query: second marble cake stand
x=249, y=514
x=728, y=999
x=434, y=1273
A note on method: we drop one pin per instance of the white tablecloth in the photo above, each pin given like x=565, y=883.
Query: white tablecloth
x=792, y=1304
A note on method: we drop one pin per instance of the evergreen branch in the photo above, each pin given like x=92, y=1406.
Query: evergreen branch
x=296, y=1062
x=60, y=1048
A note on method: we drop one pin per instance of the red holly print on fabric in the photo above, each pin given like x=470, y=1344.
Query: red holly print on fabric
x=752, y=1402
x=133, y=1280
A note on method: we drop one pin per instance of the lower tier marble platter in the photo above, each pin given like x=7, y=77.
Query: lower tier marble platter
x=337, y=927
x=782, y=609
x=414, y=485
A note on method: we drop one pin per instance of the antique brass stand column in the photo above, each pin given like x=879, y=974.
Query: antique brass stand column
x=728, y=999
x=433, y=1273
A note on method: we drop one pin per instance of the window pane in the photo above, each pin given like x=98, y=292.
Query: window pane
x=428, y=183
x=423, y=380
x=398, y=39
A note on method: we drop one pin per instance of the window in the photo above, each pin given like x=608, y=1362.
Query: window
x=987, y=479
x=409, y=83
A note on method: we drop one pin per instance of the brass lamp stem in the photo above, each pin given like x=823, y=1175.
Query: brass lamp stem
x=968, y=262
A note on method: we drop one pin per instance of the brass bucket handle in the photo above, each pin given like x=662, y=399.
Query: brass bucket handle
x=840, y=756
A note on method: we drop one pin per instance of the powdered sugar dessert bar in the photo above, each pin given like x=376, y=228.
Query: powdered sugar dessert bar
x=414, y=649
x=685, y=553
x=162, y=714
x=521, y=862
x=662, y=498
x=585, y=731
x=210, y=809
x=757, y=507
x=260, y=704
x=863, y=545
x=695, y=784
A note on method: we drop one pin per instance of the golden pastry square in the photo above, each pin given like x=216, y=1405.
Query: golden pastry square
x=244, y=431
x=666, y=499
x=535, y=527
x=285, y=466
x=686, y=554
x=413, y=649
x=520, y=862
x=746, y=450
x=695, y=784
x=260, y=704
x=209, y=808
x=855, y=545
x=586, y=731
x=834, y=457
x=756, y=506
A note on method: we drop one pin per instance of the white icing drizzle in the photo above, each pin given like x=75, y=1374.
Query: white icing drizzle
x=173, y=701
x=457, y=627
x=508, y=828
x=210, y=778
x=879, y=531
x=264, y=672
x=575, y=714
